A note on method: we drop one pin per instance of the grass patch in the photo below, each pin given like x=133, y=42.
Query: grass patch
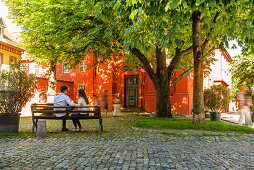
x=111, y=128
x=181, y=124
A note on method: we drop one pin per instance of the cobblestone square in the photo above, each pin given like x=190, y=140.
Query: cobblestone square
x=140, y=149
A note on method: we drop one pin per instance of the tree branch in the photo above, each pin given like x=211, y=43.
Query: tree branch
x=145, y=63
x=180, y=77
x=186, y=52
x=178, y=56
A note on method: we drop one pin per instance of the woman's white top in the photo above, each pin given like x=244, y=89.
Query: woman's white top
x=82, y=100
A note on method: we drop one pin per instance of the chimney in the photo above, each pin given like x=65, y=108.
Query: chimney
x=2, y=26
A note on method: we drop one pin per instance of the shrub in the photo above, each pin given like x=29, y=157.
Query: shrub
x=217, y=98
x=16, y=88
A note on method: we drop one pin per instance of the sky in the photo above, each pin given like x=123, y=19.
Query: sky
x=4, y=13
x=14, y=28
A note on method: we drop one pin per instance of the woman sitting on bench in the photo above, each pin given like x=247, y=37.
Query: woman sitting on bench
x=83, y=101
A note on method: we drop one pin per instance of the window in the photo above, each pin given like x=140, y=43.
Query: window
x=13, y=60
x=82, y=86
x=37, y=70
x=25, y=67
x=82, y=66
x=66, y=68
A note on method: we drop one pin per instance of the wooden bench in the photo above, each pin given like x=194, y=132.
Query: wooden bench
x=46, y=111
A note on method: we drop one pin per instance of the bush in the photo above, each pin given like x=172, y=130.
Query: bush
x=16, y=88
x=217, y=98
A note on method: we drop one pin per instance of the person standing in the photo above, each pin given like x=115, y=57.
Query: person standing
x=244, y=103
x=63, y=100
x=116, y=103
x=105, y=100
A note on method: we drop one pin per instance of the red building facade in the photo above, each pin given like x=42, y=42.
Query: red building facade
x=134, y=88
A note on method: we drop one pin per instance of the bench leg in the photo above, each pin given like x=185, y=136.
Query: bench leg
x=34, y=125
x=36, y=121
x=33, y=128
x=100, y=127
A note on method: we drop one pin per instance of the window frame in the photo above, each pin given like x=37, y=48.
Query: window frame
x=37, y=70
x=66, y=70
x=15, y=60
x=82, y=66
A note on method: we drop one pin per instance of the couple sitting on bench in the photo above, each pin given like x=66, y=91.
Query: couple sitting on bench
x=64, y=100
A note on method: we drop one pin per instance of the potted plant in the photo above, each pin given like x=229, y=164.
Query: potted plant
x=217, y=99
x=16, y=88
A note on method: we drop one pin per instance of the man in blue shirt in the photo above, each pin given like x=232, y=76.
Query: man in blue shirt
x=63, y=100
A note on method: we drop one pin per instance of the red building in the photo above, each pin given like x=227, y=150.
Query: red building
x=134, y=87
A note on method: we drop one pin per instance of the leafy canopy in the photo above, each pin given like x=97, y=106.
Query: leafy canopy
x=243, y=73
x=61, y=30
x=243, y=69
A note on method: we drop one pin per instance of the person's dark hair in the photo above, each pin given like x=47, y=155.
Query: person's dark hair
x=82, y=93
x=63, y=88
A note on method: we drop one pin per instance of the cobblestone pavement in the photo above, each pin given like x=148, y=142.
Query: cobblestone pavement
x=141, y=150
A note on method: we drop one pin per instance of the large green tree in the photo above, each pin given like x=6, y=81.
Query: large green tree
x=174, y=29
x=216, y=22
x=54, y=31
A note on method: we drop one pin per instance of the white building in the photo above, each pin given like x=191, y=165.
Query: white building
x=220, y=73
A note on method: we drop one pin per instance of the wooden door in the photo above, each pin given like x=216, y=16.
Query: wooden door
x=131, y=91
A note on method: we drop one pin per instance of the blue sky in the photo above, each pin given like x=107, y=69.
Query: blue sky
x=14, y=28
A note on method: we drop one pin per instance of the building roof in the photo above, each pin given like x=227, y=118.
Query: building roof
x=9, y=38
x=225, y=53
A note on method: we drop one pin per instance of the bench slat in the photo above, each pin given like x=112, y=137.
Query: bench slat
x=66, y=117
x=64, y=111
x=50, y=106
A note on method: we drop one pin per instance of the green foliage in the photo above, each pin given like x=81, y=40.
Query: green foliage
x=62, y=30
x=243, y=69
x=217, y=98
x=16, y=88
x=143, y=25
x=65, y=30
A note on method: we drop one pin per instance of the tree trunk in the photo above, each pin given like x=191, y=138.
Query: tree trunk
x=162, y=77
x=198, y=96
x=52, y=83
x=163, y=107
